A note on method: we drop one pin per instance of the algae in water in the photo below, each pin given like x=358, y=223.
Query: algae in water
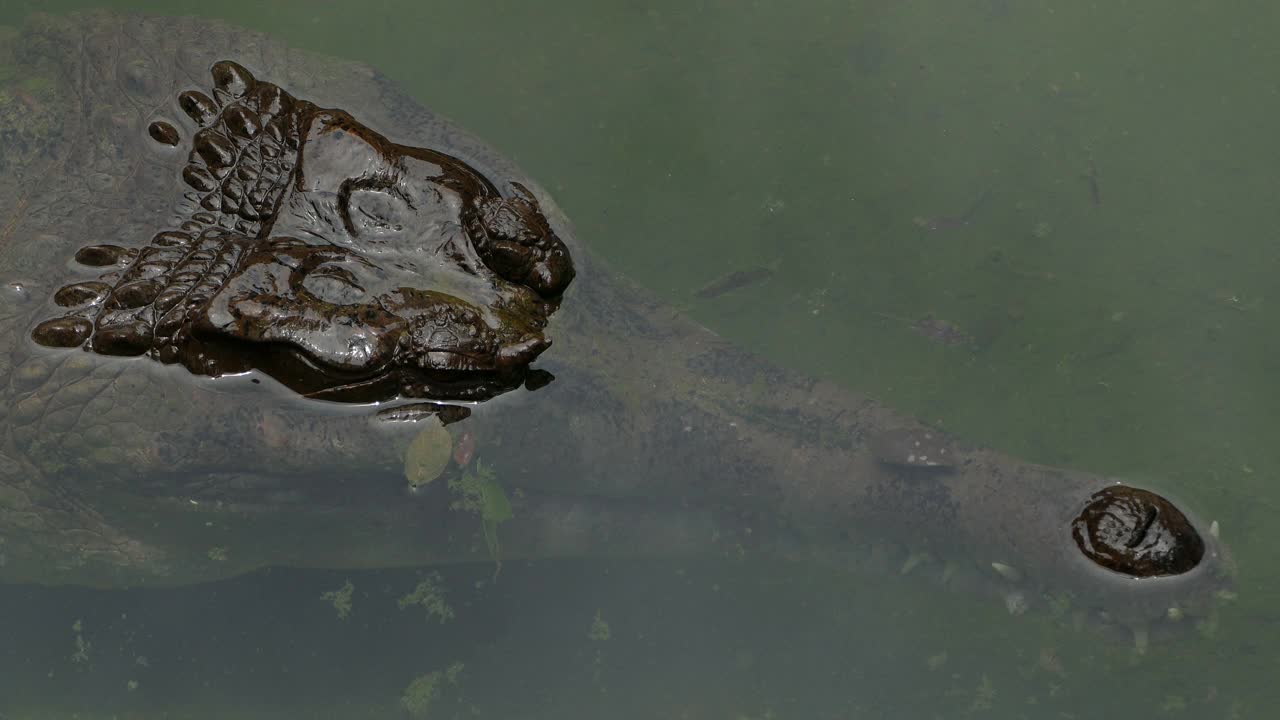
x=600, y=631
x=480, y=492
x=81, y=653
x=429, y=595
x=340, y=599
x=419, y=696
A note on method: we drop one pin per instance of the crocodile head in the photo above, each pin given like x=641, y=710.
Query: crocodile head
x=314, y=249
x=162, y=222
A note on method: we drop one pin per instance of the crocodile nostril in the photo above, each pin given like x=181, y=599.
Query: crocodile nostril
x=1136, y=532
x=1140, y=533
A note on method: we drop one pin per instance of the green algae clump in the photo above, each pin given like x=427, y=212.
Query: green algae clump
x=430, y=596
x=481, y=493
x=599, y=631
x=340, y=599
x=425, y=690
x=81, y=653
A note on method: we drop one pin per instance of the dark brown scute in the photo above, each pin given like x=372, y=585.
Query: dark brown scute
x=163, y=133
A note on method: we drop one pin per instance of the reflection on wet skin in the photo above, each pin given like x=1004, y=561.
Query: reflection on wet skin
x=346, y=266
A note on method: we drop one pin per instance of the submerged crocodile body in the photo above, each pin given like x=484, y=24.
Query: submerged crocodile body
x=390, y=256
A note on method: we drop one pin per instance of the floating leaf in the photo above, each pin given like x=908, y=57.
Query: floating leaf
x=428, y=455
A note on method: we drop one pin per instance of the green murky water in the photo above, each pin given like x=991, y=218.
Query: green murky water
x=1120, y=276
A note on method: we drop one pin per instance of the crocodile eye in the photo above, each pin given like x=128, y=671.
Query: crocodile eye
x=334, y=284
x=376, y=211
x=1136, y=532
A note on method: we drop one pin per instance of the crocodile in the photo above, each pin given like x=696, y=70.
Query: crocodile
x=212, y=274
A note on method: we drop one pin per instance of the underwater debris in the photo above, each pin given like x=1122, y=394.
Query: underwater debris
x=931, y=327
x=1095, y=192
x=1049, y=661
x=952, y=222
x=983, y=695
x=914, y=447
x=735, y=281
x=464, y=449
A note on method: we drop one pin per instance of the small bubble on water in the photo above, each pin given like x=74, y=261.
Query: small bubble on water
x=17, y=291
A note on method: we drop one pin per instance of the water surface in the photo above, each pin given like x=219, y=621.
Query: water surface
x=1117, y=278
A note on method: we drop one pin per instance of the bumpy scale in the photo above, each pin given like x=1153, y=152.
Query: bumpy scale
x=315, y=250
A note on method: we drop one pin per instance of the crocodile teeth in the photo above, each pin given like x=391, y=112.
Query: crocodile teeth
x=1208, y=625
x=1214, y=530
x=948, y=571
x=1008, y=572
x=913, y=560
x=1174, y=613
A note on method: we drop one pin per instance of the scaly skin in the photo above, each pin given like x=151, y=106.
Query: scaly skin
x=655, y=438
